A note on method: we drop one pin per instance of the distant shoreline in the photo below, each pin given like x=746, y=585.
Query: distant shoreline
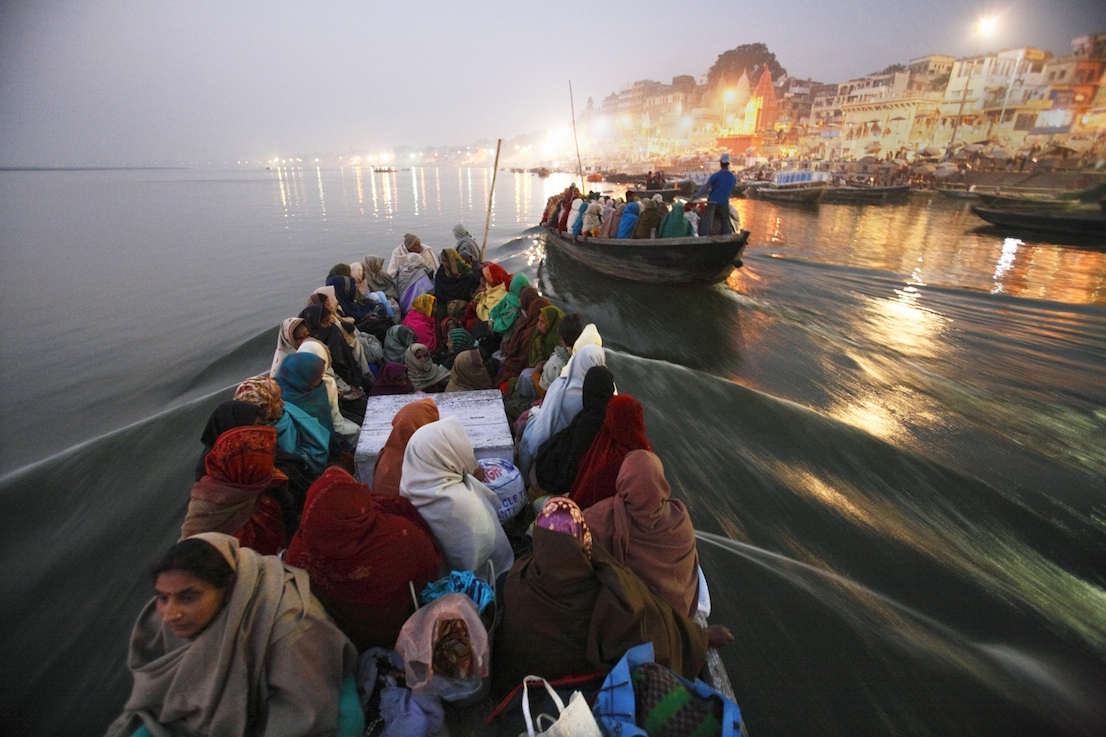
x=91, y=168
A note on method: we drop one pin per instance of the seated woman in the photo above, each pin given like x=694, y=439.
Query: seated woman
x=301, y=383
x=420, y=318
x=629, y=220
x=458, y=340
x=570, y=608
x=362, y=551
x=648, y=222
x=455, y=279
x=393, y=380
x=440, y=478
x=676, y=224
x=413, y=279
x=234, y=643
x=375, y=279
x=293, y=331
x=559, y=457
x=644, y=528
x=242, y=493
x=517, y=347
x=322, y=327
x=226, y=416
x=346, y=427
x=370, y=316
x=494, y=290
x=389, y=464
x=466, y=245
x=503, y=316
x=425, y=375
x=609, y=228
x=623, y=431
x=298, y=433
x=397, y=341
x=469, y=373
x=569, y=331
x=546, y=337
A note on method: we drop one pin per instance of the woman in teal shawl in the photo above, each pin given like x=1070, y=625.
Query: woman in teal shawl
x=301, y=380
x=505, y=313
x=675, y=225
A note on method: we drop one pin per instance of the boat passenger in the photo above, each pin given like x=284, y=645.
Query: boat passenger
x=455, y=279
x=242, y=493
x=234, y=643
x=339, y=270
x=363, y=551
x=629, y=220
x=389, y=464
x=440, y=478
x=397, y=341
x=588, y=336
x=496, y=281
x=377, y=280
x=570, y=608
x=469, y=373
x=292, y=332
x=516, y=348
x=592, y=221
x=301, y=383
x=581, y=207
x=563, y=402
x=420, y=318
x=457, y=340
x=546, y=337
x=623, y=431
x=342, y=425
x=370, y=316
x=321, y=327
x=298, y=433
x=425, y=375
x=644, y=528
x=412, y=280
x=466, y=245
x=675, y=224
x=648, y=222
x=559, y=457
x=611, y=223
x=568, y=332
x=569, y=206
x=412, y=244
x=605, y=218
x=718, y=189
x=503, y=316
x=225, y=416
x=393, y=380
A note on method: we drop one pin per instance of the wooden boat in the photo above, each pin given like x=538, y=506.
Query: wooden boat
x=694, y=260
x=865, y=195
x=1077, y=222
x=804, y=195
x=1021, y=201
x=958, y=194
x=643, y=194
x=383, y=170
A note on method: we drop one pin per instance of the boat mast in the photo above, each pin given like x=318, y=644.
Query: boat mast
x=491, y=196
x=579, y=165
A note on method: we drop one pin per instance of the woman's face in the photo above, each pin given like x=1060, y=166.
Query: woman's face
x=422, y=354
x=299, y=335
x=543, y=326
x=187, y=604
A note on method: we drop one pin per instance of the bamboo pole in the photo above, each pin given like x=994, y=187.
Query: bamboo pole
x=579, y=164
x=491, y=196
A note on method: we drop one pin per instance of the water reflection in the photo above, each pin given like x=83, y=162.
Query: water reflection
x=322, y=198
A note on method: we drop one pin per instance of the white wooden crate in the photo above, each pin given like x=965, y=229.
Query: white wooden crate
x=481, y=413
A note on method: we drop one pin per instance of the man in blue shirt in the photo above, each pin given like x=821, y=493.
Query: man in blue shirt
x=720, y=185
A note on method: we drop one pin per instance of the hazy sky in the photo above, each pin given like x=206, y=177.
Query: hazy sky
x=104, y=82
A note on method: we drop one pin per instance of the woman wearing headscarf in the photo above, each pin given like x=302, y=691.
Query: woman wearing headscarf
x=609, y=228
x=644, y=528
x=648, y=221
x=301, y=383
x=675, y=224
x=495, y=289
x=455, y=279
x=226, y=416
x=231, y=497
x=466, y=245
x=292, y=332
x=505, y=313
x=564, y=401
x=412, y=279
x=569, y=206
x=420, y=318
x=629, y=220
x=376, y=279
x=438, y=478
x=236, y=644
x=341, y=424
x=517, y=347
x=458, y=340
x=588, y=336
x=342, y=360
x=623, y=431
x=339, y=270
x=578, y=218
x=389, y=464
x=569, y=608
x=369, y=315
x=605, y=219
x=397, y=341
x=591, y=221
x=546, y=338
x=469, y=373
x=393, y=380
x=298, y=433
x=425, y=375
x=559, y=457
x=363, y=552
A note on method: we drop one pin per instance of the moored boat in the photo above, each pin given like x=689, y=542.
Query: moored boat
x=958, y=194
x=865, y=195
x=1079, y=222
x=1021, y=201
x=694, y=260
x=802, y=195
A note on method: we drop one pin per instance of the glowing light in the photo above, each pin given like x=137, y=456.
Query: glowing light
x=986, y=26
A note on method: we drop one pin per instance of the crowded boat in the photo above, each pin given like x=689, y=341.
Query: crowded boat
x=301, y=599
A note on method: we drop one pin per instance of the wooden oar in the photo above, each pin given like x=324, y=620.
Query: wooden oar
x=491, y=195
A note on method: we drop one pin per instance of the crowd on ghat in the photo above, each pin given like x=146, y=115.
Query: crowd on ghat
x=292, y=577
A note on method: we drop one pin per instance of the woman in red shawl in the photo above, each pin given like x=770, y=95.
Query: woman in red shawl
x=643, y=527
x=389, y=464
x=231, y=497
x=623, y=431
x=362, y=551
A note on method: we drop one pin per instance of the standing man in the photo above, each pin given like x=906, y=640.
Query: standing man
x=720, y=187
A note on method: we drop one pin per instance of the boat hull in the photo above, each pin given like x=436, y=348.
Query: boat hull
x=656, y=260
x=799, y=196
x=1089, y=224
x=865, y=195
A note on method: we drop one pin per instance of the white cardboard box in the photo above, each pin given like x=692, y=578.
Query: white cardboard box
x=481, y=413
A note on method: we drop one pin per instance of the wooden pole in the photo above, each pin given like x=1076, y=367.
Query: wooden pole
x=579, y=164
x=491, y=196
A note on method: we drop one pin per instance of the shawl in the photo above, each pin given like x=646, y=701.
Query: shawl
x=341, y=425
x=286, y=343
x=264, y=392
x=591, y=221
x=643, y=527
x=342, y=360
x=393, y=380
x=339, y=270
x=578, y=221
x=328, y=298
x=517, y=347
x=562, y=402
x=609, y=228
x=466, y=244
x=301, y=380
x=495, y=275
x=460, y=339
x=424, y=327
x=542, y=344
x=424, y=304
x=469, y=373
x=412, y=280
x=588, y=336
x=376, y=280
x=401, y=252
x=269, y=658
x=453, y=265
x=396, y=342
x=565, y=614
x=423, y=373
x=647, y=221
x=623, y=431
x=345, y=291
x=389, y=464
x=455, y=279
x=607, y=219
x=504, y=314
x=298, y=433
x=225, y=416
x=558, y=458
x=675, y=225
x=629, y=219
x=357, y=271
x=361, y=550
x=486, y=300
x=460, y=509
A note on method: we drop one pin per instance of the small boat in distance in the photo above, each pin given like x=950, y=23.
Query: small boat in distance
x=805, y=194
x=383, y=170
x=1082, y=222
x=849, y=195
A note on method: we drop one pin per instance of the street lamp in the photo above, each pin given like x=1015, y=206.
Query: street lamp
x=984, y=28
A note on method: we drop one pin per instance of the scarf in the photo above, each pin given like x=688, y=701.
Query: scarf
x=623, y=431
x=286, y=343
x=675, y=225
x=375, y=278
x=225, y=416
x=396, y=342
x=466, y=244
x=504, y=314
x=542, y=344
x=558, y=458
x=647, y=221
x=389, y=464
x=301, y=380
x=423, y=373
x=629, y=219
x=393, y=380
x=517, y=347
x=469, y=373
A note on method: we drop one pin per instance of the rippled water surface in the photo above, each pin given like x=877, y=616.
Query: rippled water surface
x=890, y=427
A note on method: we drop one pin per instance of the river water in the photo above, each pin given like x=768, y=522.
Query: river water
x=890, y=428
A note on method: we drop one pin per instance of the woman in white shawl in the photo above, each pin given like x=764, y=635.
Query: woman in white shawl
x=425, y=375
x=347, y=429
x=235, y=643
x=589, y=336
x=562, y=402
x=440, y=478
x=292, y=333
